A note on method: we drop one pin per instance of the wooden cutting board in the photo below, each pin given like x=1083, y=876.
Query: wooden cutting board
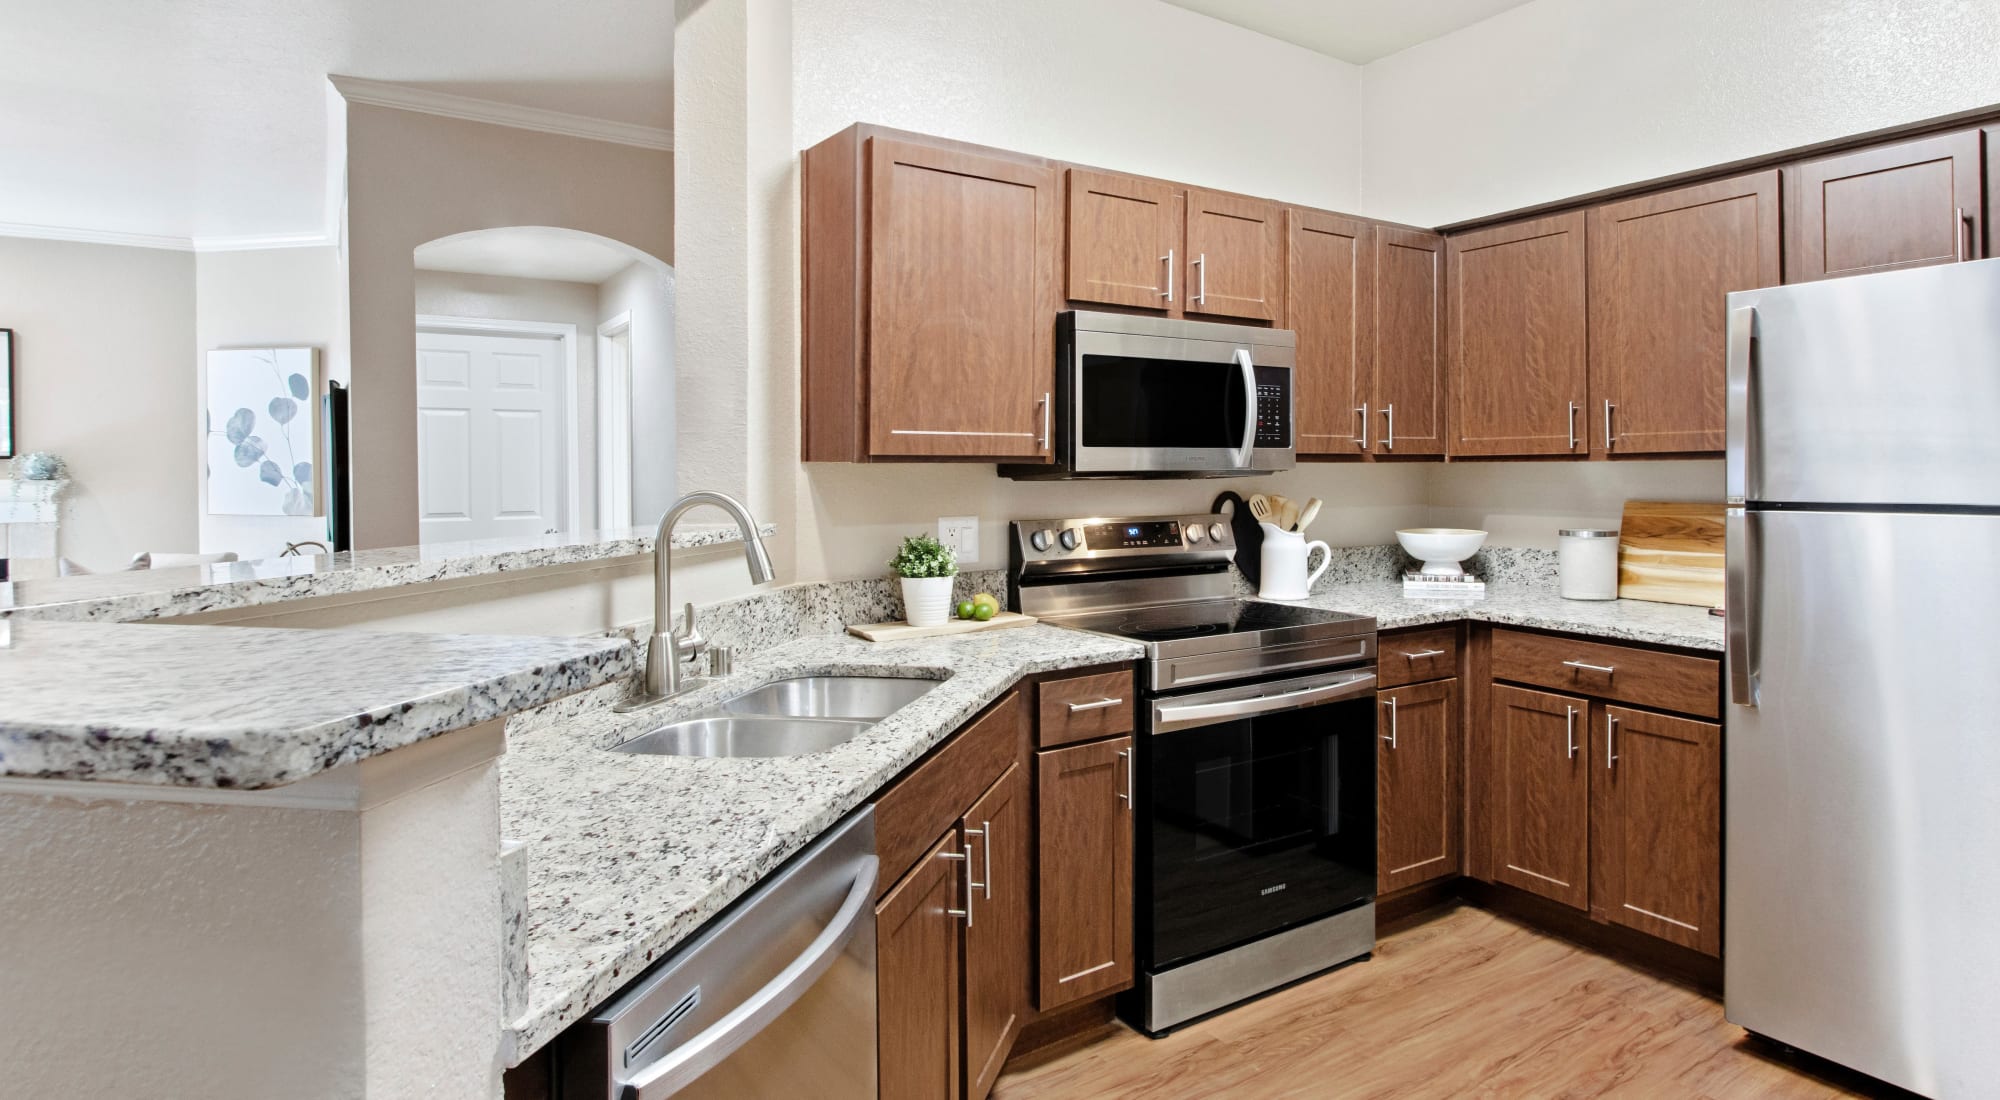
x=904, y=632
x=1670, y=553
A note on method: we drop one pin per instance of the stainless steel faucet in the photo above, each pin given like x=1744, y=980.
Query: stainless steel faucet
x=669, y=646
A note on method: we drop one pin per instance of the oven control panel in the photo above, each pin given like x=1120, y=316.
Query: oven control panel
x=1047, y=540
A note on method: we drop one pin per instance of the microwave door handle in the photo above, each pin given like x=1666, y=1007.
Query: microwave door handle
x=1357, y=683
x=1249, y=372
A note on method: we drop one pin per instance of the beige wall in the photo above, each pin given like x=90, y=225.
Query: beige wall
x=413, y=178
x=646, y=294
x=103, y=338
x=280, y=297
x=502, y=298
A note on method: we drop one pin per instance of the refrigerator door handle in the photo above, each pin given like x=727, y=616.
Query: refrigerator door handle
x=1740, y=388
x=1739, y=603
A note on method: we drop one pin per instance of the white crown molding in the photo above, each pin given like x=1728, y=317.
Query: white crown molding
x=380, y=93
x=261, y=241
x=94, y=236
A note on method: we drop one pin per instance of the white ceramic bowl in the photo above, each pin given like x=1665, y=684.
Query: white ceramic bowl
x=1441, y=548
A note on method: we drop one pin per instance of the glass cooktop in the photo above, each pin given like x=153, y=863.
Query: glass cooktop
x=1205, y=618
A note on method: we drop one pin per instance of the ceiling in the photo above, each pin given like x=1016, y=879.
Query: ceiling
x=528, y=252
x=1357, y=31
x=206, y=119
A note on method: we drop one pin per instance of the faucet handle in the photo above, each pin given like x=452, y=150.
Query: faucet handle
x=688, y=640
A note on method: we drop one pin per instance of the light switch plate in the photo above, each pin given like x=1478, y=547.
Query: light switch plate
x=961, y=533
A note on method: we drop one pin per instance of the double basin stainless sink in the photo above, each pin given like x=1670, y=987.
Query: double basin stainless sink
x=784, y=718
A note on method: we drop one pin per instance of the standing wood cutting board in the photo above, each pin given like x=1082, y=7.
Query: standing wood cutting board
x=1671, y=553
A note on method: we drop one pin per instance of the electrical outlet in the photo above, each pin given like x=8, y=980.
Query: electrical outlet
x=961, y=533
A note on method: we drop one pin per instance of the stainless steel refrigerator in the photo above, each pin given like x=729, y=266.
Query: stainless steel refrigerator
x=1862, y=876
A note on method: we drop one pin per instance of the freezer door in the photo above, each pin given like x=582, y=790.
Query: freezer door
x=1877, y=389
x=1862, y=875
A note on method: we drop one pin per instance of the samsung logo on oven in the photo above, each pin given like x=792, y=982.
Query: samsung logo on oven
x=1269, y=890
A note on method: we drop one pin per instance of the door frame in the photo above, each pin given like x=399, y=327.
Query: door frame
x=565, y=334
x=614, y=432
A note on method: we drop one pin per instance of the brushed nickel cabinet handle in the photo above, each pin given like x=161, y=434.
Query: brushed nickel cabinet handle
x=1390, y=702
x=1572, y=425
x=1363, y=411
x=1098, y=705
x=1389, y=432
x=964, y=857
x=1125, y=795
x=1200, y=296
x=985, y=835
x=1569, y=730
x=1609, y=439
x=1610, y=741
x=1958, y=234
x=1042, y=444
x=1605, y=669
x=1168, y=259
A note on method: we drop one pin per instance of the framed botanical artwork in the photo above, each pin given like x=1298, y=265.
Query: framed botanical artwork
x=262, y=429
x=6, y=393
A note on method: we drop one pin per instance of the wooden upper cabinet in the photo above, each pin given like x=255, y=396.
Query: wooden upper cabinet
x=962, y=251
x=1234, y=264
x=1660, y=268
x=1517, y=301
x=1124, y=239
x=998, y=953
x=1884, y=208
x=1406, y=336
x=1416, y=784
x=1657, y=825
x=1085, y=871
x=1539, y=793
x=1326, y=287
x=917, y=979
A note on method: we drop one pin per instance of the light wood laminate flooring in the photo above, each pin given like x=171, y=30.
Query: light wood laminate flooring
x=1459, y=1003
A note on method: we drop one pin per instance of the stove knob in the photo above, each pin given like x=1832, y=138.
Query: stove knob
x=1216, y=531
x=1069, y=538
x=1196, y=532
x=1040, y=540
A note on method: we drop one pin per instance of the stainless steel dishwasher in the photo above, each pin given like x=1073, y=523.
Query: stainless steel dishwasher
x=776, y=998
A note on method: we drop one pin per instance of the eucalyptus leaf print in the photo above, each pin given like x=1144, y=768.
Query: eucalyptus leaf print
x=282, y=409
x=269, y=474
x=238, y=428
x=262, y=442
x=249, y=451
x=299, y=386
x=297, y=502
x=302, y=472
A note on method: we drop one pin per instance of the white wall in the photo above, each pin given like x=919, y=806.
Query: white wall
x=504, y=298
x=647, y=294
x=103, y=336
x=1564, y=97
x=281, y=297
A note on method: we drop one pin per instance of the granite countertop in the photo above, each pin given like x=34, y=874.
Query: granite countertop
x=1529, y=605
x=627, y=854
x=240, y=707
x=129, y=596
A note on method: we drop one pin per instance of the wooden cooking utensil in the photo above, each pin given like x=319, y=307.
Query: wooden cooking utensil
x=1260, y=507
x=1311, y=513
x=1288, y=515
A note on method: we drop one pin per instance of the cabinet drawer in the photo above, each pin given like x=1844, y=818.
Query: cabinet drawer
x=1669, y=681
x=1082, y=708
x=928, y=800
x=1413, y=656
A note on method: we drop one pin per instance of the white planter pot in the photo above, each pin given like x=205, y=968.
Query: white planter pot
x=926, y=600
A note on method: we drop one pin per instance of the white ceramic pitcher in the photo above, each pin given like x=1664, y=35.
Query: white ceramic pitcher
x=1283, y=564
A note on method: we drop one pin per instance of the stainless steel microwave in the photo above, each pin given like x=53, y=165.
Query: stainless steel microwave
x=1156, y=397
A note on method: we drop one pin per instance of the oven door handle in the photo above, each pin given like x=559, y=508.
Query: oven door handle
x=1354, y=683
x=1249, y=370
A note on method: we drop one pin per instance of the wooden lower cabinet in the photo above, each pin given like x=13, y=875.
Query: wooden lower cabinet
x=998, y=970
x=917, y=979
x=1084, y=867
x=1416, y=785
x=1656, y=825
x=1540, y=792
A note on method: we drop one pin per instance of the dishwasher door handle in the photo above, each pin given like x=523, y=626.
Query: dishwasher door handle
x=682, y=1065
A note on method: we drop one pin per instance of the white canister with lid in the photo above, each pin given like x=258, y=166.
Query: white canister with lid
x=1588, y=562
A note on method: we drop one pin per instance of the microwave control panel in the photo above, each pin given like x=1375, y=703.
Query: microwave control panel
x=1274, y=407
x=1050, y=540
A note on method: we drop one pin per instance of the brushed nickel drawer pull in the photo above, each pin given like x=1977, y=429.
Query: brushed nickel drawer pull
x=966, y=858
x=1605, y=669
x=1421, y=654
x=1098, y=705
x=1125, y=795
x=1569, y=729
x=1390, y=701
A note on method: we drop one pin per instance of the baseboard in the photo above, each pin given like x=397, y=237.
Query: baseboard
x=1667, y=960
x=1409, y=905
x=1055, y=1034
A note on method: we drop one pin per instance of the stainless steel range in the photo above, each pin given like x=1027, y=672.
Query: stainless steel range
x=1255, y=780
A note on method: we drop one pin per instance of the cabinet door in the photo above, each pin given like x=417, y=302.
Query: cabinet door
x=1657, y=825
x=1516, y=295
x=1124, y=240
x=1234, y=262
x=1660, y=266
x=1326, y=288
x=1084, y=825
x=999, y=974
x=1406, y=337
x=961, y=325
x=1416, y=784
x=917, y=979
x=1541, y=800
x=1881, y=209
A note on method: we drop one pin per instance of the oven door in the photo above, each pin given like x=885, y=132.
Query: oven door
x=1257, y=811
x=1157, y=404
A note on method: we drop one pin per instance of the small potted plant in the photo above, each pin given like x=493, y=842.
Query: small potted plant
x=926, y=567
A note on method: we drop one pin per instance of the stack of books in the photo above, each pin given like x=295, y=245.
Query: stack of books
x=1421, y=586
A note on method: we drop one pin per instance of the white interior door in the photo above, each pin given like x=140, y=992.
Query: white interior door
x=490, y=451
